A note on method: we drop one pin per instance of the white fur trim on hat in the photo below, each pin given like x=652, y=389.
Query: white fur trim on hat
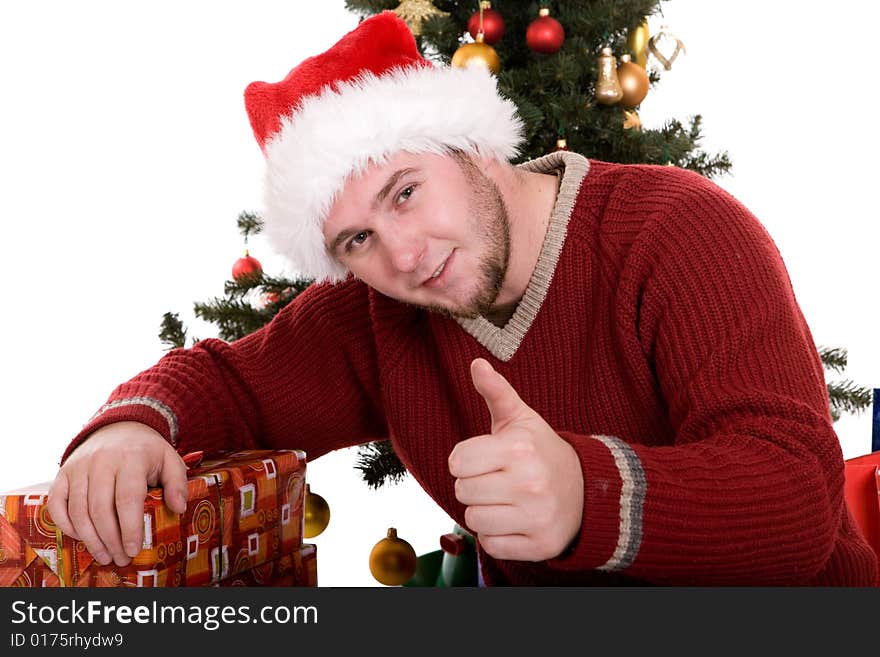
x=340, y=132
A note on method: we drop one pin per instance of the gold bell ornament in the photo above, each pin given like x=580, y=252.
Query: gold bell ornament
x=479, y=51
x=608, y=90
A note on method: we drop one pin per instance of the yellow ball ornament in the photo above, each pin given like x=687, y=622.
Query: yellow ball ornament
x=392, y=560
x=637, y=44
x=317, y=514
x=479, y=51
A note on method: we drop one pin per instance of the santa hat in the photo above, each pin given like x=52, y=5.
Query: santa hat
x=368, y=97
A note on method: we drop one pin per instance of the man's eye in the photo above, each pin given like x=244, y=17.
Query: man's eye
x=406, y=193
x=357, y=240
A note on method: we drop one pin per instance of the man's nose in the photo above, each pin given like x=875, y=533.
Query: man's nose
x=406, y=249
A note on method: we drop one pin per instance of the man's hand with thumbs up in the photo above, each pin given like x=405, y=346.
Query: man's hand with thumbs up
x=522, y=484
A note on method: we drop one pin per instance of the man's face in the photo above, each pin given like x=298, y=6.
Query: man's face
x=398, y=224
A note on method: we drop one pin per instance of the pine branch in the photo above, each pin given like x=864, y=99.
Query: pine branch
x=237, y=289
x=364, y=8
x=843, y=396
x=378, y=462
x=847, y=397
x=172, y=332
x=282, y=286
x=234, y=317
x=285, y=286
x=248, y=224
x=833, y=358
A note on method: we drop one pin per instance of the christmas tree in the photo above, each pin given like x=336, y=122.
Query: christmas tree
x=577, y=72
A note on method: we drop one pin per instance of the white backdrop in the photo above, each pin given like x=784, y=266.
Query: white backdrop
x=126, y=156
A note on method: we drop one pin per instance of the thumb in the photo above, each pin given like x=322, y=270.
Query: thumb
x=503, y=401
x=173, y=479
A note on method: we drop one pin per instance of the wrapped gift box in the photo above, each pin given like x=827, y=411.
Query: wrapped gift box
x=244, y=509
x=299, y=568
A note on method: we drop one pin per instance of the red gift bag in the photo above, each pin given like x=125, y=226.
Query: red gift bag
x=862, y=492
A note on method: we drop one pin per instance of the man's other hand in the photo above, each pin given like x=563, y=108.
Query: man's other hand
x=522, y=483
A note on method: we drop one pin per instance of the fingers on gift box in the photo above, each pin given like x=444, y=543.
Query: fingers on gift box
x=243, y=525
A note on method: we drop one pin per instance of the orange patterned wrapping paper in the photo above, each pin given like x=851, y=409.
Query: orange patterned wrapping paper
x=244, y=509
x=299, y=568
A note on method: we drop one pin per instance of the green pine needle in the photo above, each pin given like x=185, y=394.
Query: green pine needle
x=249, y=224
x=378, y=463
x=172, y=332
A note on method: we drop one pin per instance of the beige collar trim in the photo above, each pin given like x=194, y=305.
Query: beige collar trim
x=503, y=342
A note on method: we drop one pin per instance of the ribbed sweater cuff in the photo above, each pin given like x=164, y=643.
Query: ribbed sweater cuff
x=132, y=412
x=614, y=489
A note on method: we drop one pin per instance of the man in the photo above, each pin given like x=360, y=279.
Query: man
x=600, y=370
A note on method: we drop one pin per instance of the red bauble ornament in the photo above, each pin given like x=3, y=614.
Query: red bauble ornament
x=493, y=25
x=545, y=34
x=267, y=299
x=246, y=267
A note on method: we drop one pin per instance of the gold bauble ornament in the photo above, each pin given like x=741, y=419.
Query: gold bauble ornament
x=414, y=13
x=637, y=44
x=633, y=81
x=608, y=91
x=392, y=560
x=316, y=514
x=478, y=51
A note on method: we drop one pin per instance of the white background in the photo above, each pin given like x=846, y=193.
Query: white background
x=126, y=156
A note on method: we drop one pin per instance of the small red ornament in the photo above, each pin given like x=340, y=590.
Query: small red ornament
x=246, y=267
x=269, y=298
x=545, y=34
x=493, y=24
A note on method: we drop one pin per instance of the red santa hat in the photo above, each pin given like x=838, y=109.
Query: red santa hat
x=368, y=97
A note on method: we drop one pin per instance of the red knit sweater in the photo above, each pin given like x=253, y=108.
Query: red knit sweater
x=668, y=349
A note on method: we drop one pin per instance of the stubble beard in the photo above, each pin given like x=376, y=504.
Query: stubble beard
x=489, y=216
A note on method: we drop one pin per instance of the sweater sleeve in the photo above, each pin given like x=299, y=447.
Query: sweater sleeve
x=751, y=489
x=306, y=380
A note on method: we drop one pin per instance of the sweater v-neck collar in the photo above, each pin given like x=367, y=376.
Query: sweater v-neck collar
x=502, y=342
